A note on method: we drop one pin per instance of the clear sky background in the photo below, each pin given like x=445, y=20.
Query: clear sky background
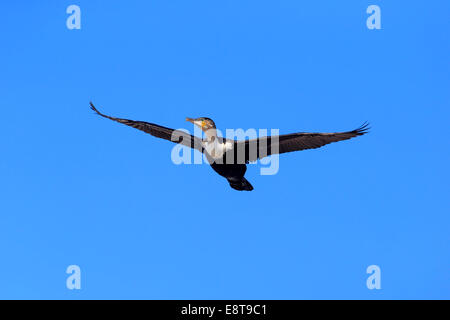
x=79, y=189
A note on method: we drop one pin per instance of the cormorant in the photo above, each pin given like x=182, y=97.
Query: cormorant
x=229, y=158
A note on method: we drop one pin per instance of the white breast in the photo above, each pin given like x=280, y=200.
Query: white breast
x=216, y=149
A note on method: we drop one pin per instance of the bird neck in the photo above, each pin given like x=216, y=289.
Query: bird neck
x=211, y=135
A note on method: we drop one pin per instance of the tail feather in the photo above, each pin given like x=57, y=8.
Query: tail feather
x=241, y=185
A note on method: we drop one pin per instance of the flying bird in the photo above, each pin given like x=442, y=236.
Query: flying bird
x=229, y=158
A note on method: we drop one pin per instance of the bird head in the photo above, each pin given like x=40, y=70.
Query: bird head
x=203, y=123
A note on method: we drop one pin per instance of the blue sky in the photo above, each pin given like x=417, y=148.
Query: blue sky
x=80, y=190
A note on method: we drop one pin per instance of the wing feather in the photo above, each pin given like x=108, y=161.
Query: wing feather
x=266, y=146
x=158, y=131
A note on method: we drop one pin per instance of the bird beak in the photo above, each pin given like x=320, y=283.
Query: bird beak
x=196, y=122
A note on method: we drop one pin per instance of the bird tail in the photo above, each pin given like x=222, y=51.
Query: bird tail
x=241, y=185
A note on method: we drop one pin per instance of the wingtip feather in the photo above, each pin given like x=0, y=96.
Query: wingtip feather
x=363, y=129
x=95, y=109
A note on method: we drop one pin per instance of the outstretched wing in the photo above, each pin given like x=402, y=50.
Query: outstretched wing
x=266, y=146
x=155, y=130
